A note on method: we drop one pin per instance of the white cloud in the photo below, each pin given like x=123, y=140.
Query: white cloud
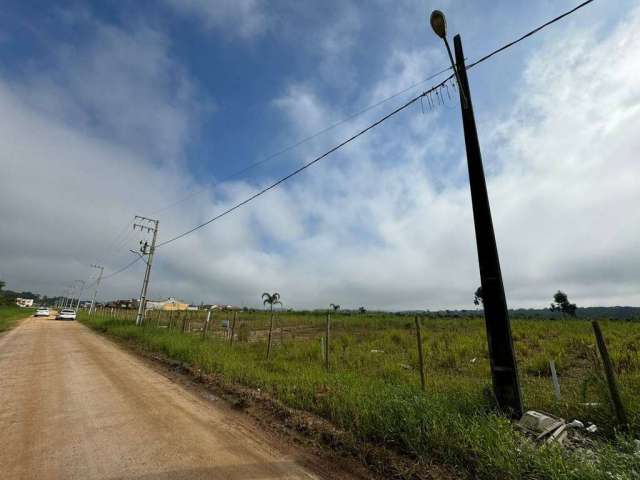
x=122, y=86
x=563, y=193
x=382, y=223
x=241, y=18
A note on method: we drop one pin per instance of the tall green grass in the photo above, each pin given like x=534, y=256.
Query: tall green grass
x=10, y=314
x=373, y=388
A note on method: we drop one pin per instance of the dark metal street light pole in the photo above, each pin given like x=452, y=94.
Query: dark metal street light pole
x=504, y=370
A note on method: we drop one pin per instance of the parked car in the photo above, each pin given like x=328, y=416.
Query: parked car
x=66, y=314
x=42, y=312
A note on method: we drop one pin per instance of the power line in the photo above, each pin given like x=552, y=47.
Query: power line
x=301, y=141
x=308, y=164
x=373, y=125
x=122, y=242
x=122, y=237
x=528, y=34
x=126, y=267
x=370, y=107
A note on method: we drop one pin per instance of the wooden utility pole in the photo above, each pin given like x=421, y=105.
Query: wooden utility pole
x=614, y=391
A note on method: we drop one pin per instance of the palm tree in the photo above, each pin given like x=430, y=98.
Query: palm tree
x=272, y=299
x=335, y=307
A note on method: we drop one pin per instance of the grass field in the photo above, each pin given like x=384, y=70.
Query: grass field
x=9, y=315
x=373, y=387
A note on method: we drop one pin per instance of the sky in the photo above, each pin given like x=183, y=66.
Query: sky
x=156, y=108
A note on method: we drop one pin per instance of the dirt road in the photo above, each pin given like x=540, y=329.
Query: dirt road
x=73, y=405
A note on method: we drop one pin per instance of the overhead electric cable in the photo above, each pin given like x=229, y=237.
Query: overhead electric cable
x=300, y=142
x=308, y=164
x=371, y=126
x=528, y=34
x=126, y=267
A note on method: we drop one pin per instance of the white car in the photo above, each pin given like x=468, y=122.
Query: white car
x=67, y=314
x=42, y=312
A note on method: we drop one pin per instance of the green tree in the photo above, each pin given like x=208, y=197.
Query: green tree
x=561, y=304
x=477, y=296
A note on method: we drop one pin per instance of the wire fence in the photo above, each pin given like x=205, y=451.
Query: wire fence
x=560, y=366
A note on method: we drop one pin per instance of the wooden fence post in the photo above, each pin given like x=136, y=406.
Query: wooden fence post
x=554, y=379
x=326, y=343
x=233, y=326
x=614, y=392
x=420, y=352
x=206, y=324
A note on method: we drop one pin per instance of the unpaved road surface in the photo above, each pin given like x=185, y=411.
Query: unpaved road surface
x=73, y=405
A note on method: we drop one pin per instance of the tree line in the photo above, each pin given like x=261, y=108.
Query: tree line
x=560, y=302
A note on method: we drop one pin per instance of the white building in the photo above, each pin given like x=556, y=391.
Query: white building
x=169, y=304
x=24, y=302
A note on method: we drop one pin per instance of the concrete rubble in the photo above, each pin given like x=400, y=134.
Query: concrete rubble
x=548, y=428
x=575, y=424
x=543, y=426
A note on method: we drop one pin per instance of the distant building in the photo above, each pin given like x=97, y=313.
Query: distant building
x=216, y=306
x=169, y=304
x=24, y=302
x=131, y=303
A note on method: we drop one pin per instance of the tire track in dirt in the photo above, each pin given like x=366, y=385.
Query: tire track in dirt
x=75, y=406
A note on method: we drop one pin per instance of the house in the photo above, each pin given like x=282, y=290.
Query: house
x=169, y=304
x=24, y=302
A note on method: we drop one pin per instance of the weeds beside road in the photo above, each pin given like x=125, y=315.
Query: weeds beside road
x=10, y=314
x=372, y=389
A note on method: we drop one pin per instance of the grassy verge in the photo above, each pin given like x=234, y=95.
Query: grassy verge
x=10, y=314
x=373, y=392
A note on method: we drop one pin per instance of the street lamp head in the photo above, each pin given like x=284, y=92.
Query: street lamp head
x=439, y=23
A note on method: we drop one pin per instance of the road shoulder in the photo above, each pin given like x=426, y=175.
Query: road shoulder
x=325, y=449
